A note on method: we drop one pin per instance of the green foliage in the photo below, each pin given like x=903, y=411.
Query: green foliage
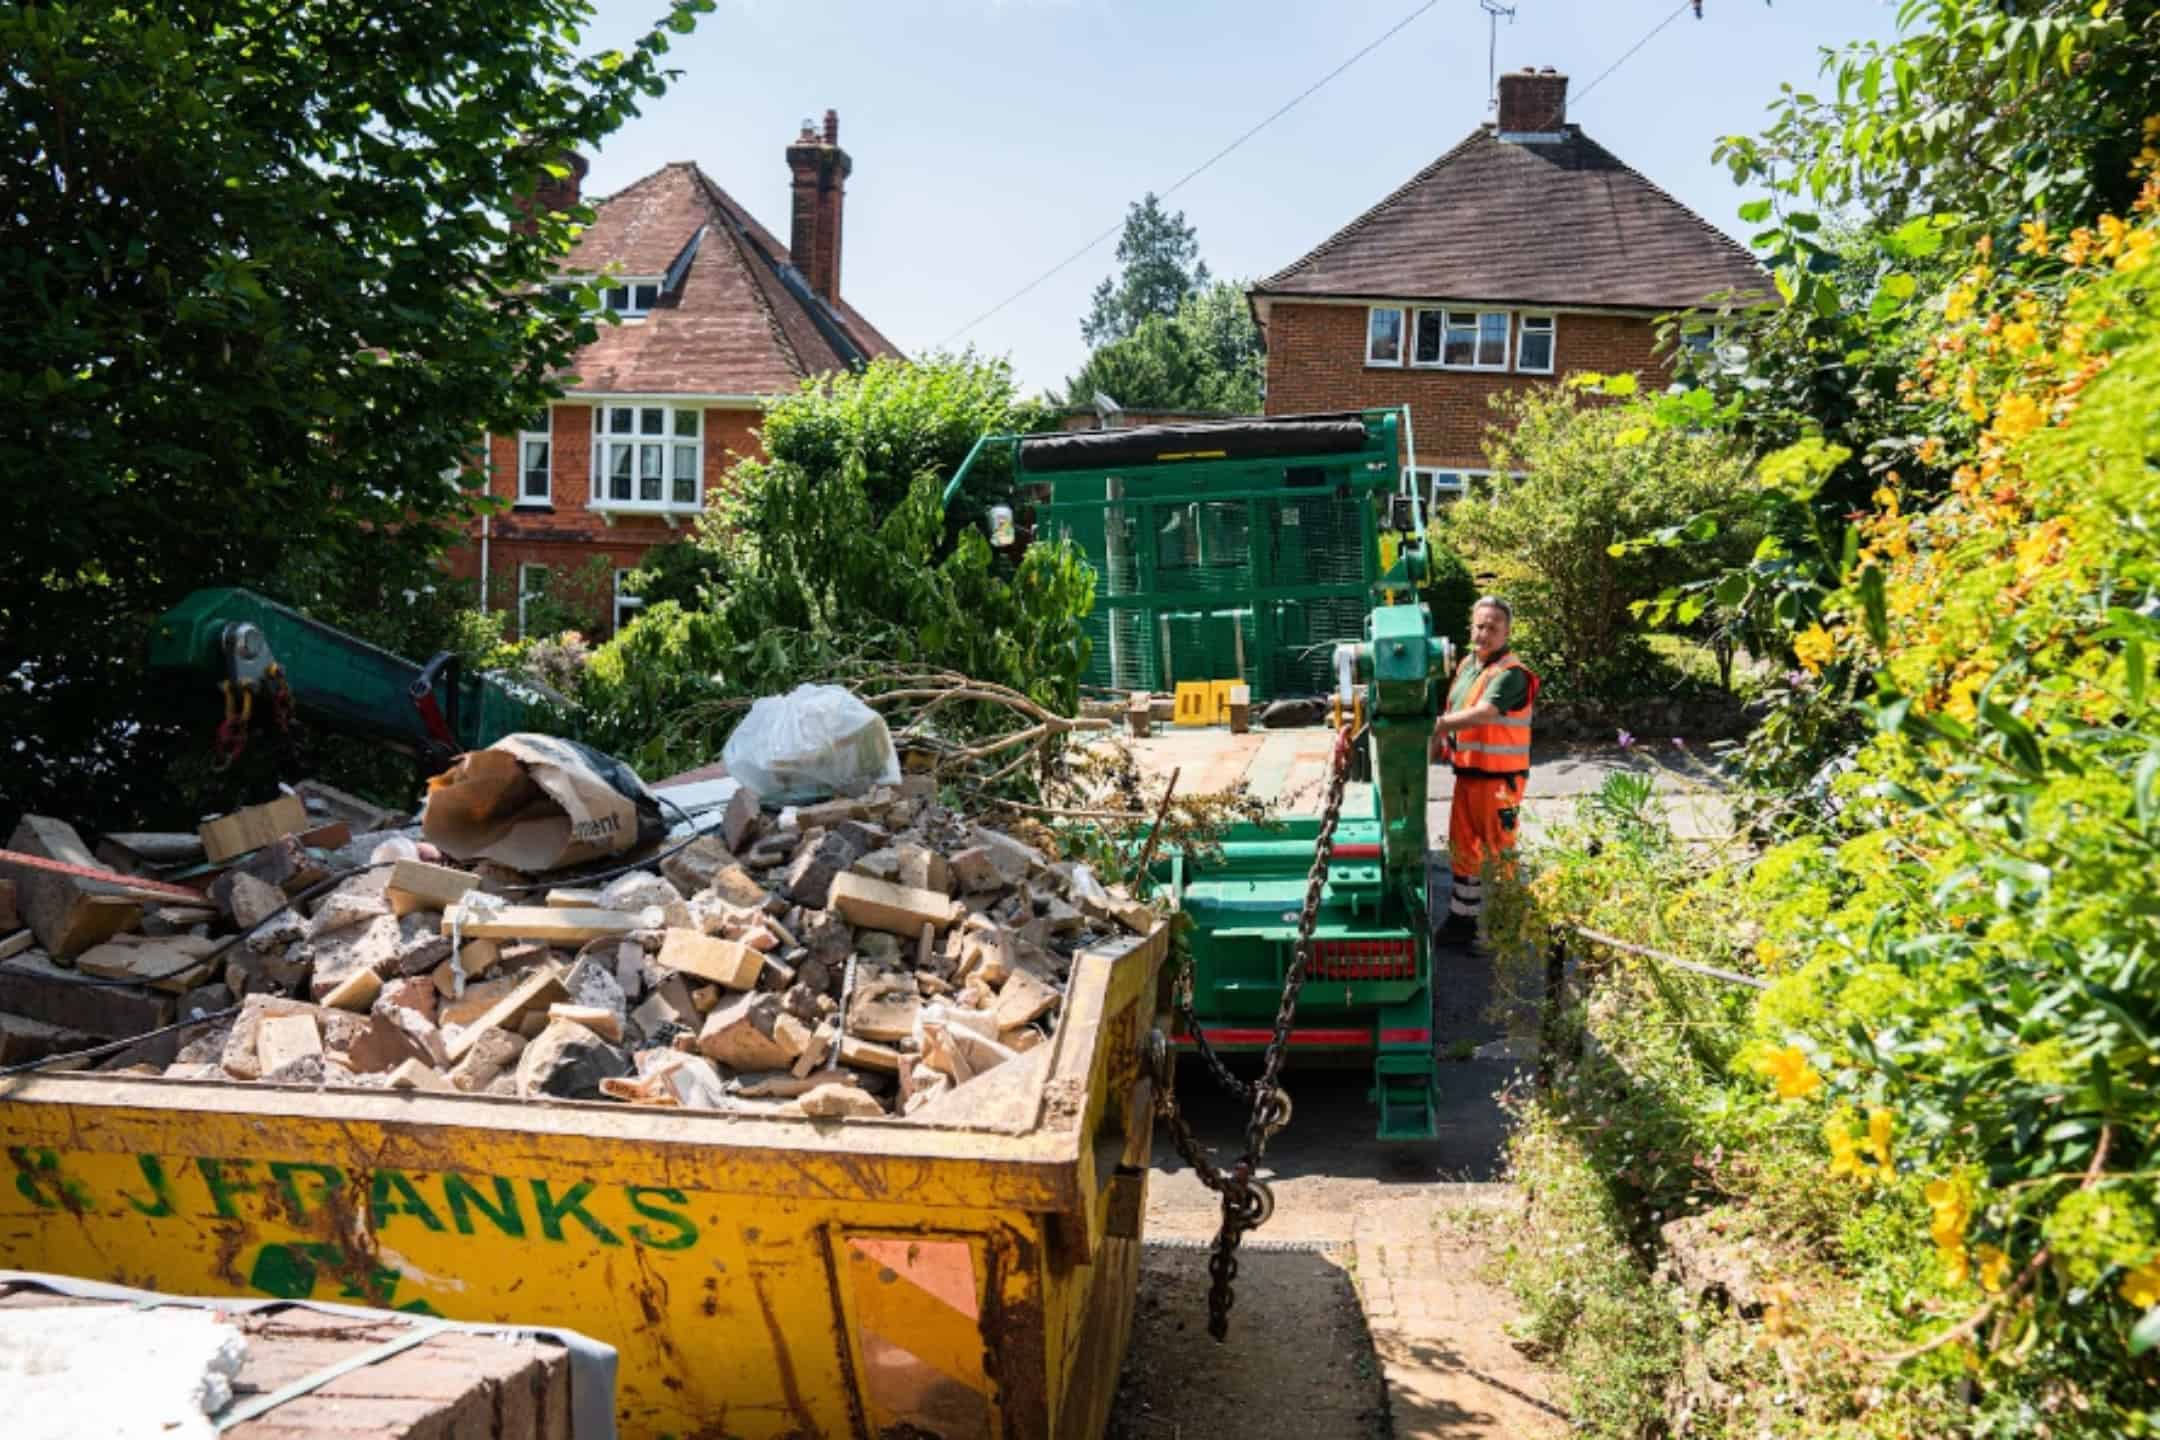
x=580, y=600
x=1205, y=355
x=1959, y=936
x=265, y=289
x=1587, y=1302
x=812, y=571
x=1449, y=589
x=896, y=420
x=1159, y=266
x=1980, y=108
x=1573, y=478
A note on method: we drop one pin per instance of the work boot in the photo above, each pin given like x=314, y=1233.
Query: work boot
x=1456, y=931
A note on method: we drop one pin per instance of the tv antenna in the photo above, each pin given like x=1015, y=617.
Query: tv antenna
x=1494, y=9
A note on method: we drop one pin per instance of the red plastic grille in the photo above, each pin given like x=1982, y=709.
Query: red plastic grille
x=1364, y=960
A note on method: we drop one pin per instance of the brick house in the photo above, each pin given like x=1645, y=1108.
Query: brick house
x=1527, y=252
x=716, y=317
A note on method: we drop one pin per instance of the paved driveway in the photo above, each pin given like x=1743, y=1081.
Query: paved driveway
x=1290, y=768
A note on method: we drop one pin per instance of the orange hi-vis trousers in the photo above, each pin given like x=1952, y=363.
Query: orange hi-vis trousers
x=1482, y=824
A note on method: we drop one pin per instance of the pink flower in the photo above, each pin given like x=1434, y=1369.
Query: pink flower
x=1627, y=741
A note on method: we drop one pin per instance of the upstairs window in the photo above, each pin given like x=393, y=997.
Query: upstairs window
x=535, y=451
x=649, y=457
x=1383, y=335
x=632, y=298
x=1534, y=345
x=1465, y=339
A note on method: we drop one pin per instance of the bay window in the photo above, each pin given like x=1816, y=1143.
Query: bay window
x=648, y=457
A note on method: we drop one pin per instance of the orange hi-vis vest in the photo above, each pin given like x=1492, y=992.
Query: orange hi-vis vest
x=1498, y=747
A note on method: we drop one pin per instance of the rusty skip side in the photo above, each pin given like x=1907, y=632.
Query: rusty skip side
x=759, y=1276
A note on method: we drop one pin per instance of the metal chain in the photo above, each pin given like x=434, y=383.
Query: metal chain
x=1247, y=1202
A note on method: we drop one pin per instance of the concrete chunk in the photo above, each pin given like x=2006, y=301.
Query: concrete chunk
x=723, y=962
x=833, y=1101
x=539, y=989
x=895, y=909
x=602, y=1021
x=737, y=886
x=289, y=1049
x=811, y=873
x=490, y=1052
x=753, y=1032
x=1024, y=1000
x=415, y=1075
x=922, y=868
x=68, y=914
x=693, y=869
x=570, y=1061
x=974, y=871
x=416, y=885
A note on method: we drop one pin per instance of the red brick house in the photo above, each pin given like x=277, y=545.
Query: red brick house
x=1527, y=252
x=716, y=317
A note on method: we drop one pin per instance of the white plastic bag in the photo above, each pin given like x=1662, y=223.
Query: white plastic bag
x=814, y=741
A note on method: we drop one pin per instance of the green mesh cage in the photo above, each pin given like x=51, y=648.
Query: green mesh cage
x=1214, y=567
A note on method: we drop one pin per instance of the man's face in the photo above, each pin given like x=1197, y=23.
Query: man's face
x=1488, y=631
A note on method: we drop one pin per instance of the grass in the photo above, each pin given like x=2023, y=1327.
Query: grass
x=1589, y=1305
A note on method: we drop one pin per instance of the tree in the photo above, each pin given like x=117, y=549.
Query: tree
x=1159, y=264
x=837, y=550
x=1207, y=355
x=1574, y=478
x=272, y=269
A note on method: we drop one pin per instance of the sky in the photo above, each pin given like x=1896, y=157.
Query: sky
x=992, y=138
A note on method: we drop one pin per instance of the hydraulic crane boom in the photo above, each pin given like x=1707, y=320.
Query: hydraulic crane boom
x=263, y=652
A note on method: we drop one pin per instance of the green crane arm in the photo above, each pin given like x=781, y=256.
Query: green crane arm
x=1403, y=666
x=433, y=710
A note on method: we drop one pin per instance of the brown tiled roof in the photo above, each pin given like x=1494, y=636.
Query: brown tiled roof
x=1558, y=223
x=740, y=322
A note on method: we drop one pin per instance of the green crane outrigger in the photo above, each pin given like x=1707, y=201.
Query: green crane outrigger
x=1288, y=552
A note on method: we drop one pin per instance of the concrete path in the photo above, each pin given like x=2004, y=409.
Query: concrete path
x=1290, y=767
x=1439, y=1326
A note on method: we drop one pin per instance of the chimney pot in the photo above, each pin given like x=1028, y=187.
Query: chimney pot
x=1533, y=102
x=554, y=194
x=820, y=169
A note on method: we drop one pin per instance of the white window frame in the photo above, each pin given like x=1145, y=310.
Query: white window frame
x=626, y=606
x=1436, y=493
x=526, y=595
x=1550, y=329
x=545, y=438
x=1726, y=356
x=610, y=443
x=1402, y=334
x=1448, y=318
x=626, y=299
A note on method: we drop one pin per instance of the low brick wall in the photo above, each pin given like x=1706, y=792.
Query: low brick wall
x=1722, y=717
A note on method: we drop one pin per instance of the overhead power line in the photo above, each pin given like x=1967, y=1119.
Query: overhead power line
x=1285, y=108
x=1193, y=174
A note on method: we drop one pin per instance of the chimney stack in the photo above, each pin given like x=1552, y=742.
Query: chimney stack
x=820, y=169
x=1533, y=102
x=553, y=194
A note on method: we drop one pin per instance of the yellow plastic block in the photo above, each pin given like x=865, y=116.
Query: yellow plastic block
x=1193, y=704
x=1219, y=693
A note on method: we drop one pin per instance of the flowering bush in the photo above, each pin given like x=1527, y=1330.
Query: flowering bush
x=1954, y=1073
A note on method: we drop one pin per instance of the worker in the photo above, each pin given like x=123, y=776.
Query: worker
x=1484, y=736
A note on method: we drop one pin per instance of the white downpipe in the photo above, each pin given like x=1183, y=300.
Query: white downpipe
x=1409, y=469
x=484, y=562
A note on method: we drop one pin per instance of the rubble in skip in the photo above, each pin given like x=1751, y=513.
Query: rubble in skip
x=849, y=959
